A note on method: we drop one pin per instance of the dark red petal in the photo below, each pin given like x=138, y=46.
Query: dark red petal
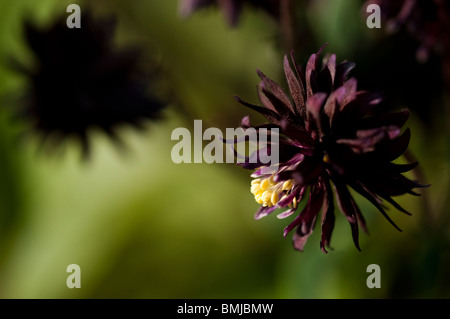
x=298, y=193
x=325, y=80
x=374, y=200
x=305, y=219
x=286, y=213
x=355, y=235
x=401, y=168
x=263, y=98
x=344, y=200
x=306, y=171
x=333, y=103
x=298, y=69
x=287, y=200
x=264, y=211
x=348, y=208
x=397, y=119
x=350, y=92
x=367, y=140
x=276, y=91
x=328, y=218
x=310, y=75
x=394, y=148
x=270, y=115
x=314, y=105
x=390, y=184
x=285, y=111
x=395, y=204
x=297, y=91
x=245, y=122
x=331, y=64
x=342, y=71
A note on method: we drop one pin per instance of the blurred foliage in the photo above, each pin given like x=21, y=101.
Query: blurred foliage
x=141, y=226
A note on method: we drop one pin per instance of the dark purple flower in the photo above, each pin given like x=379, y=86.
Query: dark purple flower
x=331, y=138
x=81, y=81
x=428, y=21
x=230, y=8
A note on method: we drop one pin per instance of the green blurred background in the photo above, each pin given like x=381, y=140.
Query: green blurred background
x=141, y=226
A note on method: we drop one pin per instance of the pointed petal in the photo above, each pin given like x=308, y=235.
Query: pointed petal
x=264, y=211
x=401, y=168
x=368, y=195
x=350, y=92
x=305, y=219
x=277, y=92
x=286, y=213
x=263, y=98
x=328, y=218
x=270, y=115
x=344, y=200
x=342, y=71
x=333, y=103
x=297, y=91
x=314, y=105
x=394, y=148
x=367, y=140
x=310, y=75
x=397, y=119
x=331, y=64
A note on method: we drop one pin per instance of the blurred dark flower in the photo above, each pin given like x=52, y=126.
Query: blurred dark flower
x=428, y=21
x=82, y=81
x=230, y=8
x=330, y=134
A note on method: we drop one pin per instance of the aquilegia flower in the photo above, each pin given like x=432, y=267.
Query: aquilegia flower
x=81, y=81
x=230, y=8
x=330, y=138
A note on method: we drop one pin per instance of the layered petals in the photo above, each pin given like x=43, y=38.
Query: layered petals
x=331, y=141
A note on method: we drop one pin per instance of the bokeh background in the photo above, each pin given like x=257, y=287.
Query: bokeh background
x=141, y=226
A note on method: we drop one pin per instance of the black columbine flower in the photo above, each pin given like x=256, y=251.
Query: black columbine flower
x=328, y=141
x=230, y=8
x=82, y=81
x=428, y=21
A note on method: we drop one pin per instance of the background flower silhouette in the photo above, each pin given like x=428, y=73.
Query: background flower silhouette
x=81, y=81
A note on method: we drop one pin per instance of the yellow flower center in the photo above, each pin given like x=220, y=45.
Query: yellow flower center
x=268, y=193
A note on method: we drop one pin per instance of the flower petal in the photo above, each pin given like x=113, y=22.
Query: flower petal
x=348, y=207
x=367, y=140
x=282, y=102
x=269, y=114
x=310, y=75
x=314, y=105
x=328, y=218
x=295, y=87
x=372, y=198
x=397, y=119
x=305, y=220
x=342, y=71
x=264, y=211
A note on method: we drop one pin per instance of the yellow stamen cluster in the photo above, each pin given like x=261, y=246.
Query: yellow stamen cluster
x=267, y=192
